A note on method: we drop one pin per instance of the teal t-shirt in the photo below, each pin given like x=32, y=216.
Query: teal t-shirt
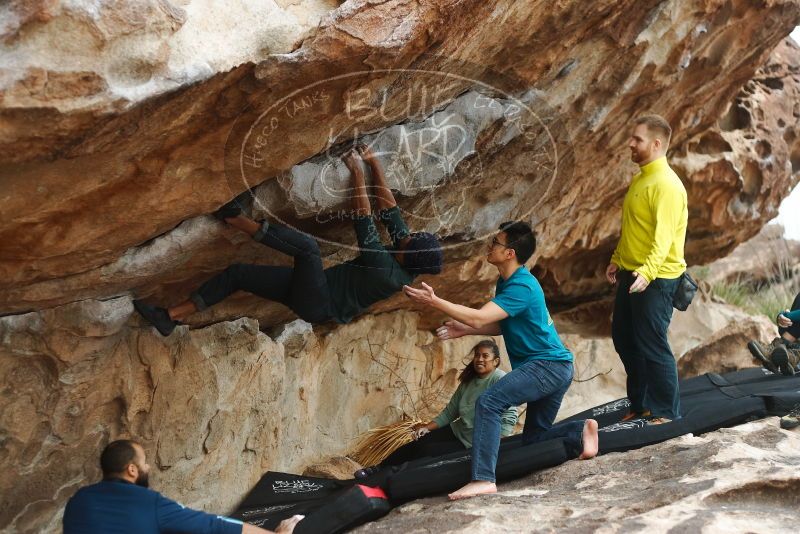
x=793, y=315
x=528, y=331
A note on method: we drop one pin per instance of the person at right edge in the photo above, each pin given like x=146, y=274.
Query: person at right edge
x=646, y=267
x=782, y=355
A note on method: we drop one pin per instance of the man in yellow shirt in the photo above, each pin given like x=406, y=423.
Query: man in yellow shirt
x=646, y=266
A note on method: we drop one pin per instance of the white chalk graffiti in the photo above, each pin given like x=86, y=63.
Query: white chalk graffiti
x=266, y=510
x=627, y=425
x=295, y=486
x=460, y=459
x=611, y=407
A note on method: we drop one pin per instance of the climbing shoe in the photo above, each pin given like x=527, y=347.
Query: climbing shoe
x=794, y=355
x=792, y=419
x=785, y=359
x=233, y=208
x=156, y=316
x=762, y=352
x=635, y=415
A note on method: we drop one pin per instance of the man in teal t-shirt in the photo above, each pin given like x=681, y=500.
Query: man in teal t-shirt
x=528, y=330
x=541, y=365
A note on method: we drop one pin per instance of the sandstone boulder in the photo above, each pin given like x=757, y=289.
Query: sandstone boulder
x=65, y=66
x=767, y=258
x=117, y=208
x=726, y=350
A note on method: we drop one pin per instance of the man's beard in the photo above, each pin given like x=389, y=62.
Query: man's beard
x=143, y=479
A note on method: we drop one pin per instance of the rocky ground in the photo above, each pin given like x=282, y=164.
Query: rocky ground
x=742, y=479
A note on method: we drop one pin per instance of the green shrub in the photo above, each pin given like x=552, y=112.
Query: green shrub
x=765, y=298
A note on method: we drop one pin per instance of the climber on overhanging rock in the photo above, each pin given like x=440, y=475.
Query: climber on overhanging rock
x=541, y=366
x=316, y=295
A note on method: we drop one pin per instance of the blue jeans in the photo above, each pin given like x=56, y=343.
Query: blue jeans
x=539, y=383
x=639, y=330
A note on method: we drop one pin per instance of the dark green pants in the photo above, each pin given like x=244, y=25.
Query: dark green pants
x=639, y=330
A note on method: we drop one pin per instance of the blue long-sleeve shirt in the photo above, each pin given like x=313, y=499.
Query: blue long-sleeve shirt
x=119, y=507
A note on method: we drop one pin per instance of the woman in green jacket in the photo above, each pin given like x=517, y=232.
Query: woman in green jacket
x=451, y=430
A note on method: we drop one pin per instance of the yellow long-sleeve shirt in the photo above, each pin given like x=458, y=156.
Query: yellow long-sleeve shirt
x=654, y=217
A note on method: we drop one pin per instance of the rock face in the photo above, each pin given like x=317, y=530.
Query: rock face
x=123, y=124
x=214, y=407
x=68, y=65
x=141, y=172
x=758, y=160
x=726, y=350
x=766, y=258
x=731, y=480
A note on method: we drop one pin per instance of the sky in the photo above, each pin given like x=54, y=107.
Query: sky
x=789, y=212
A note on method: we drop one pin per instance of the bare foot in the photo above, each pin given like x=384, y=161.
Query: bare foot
x=473, y=489
x=591, y=440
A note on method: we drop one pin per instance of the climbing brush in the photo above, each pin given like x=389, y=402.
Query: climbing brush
x=375, y=445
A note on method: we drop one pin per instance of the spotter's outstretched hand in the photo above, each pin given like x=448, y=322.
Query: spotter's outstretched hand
x=424, y=295
x=451, y=329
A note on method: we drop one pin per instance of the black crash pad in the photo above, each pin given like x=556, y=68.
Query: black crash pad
x=708, y=402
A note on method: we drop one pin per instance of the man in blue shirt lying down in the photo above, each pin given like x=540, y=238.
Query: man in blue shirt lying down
x=541, y=365
x=121, y=503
